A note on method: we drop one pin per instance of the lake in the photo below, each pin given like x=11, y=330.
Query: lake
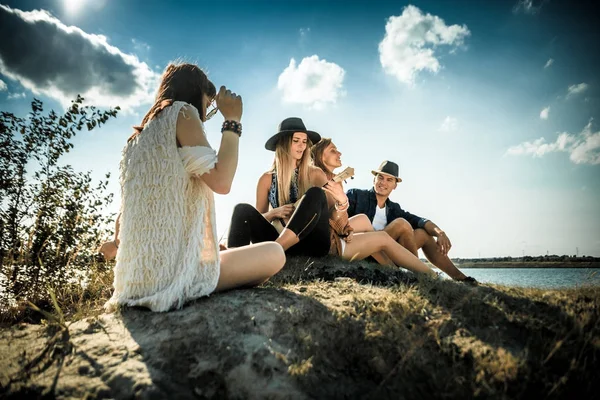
x=536, y=277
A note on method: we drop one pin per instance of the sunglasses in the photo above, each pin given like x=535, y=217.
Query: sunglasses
x=211, y=110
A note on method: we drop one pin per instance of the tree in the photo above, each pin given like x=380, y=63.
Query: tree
x=51, y=218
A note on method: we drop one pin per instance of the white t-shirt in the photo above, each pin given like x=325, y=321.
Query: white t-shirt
x=380, y=219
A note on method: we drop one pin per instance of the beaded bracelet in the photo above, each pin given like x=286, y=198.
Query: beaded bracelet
x=233, y=126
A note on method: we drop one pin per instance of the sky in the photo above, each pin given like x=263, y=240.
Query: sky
x=491, y=109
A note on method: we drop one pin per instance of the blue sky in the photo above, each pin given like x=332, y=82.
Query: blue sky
x=491, y=109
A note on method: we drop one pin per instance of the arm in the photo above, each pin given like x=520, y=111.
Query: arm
x=190, y=133
x=433, y=229
x=443, y=241
x=334, y=192
x=262, y=201
x=117, y=230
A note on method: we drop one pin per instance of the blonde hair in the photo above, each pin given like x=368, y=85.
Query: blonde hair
x=284, y=166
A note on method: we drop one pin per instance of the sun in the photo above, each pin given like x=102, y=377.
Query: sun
x=73, y=6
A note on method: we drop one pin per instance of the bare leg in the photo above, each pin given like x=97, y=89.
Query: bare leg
x=426, y=242
x=287, y=239
x=249, y=265
x=361, y=223
x=402, y=232
x=365, y=244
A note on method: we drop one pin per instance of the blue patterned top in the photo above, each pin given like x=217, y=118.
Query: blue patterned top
x=273, y=194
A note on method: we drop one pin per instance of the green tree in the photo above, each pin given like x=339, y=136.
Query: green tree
x=51, y=218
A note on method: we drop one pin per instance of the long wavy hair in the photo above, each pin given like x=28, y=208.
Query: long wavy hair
x=317, y=155
x=284, y=165
x=180, y=82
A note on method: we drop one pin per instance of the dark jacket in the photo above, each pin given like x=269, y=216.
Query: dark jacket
x=365, y=202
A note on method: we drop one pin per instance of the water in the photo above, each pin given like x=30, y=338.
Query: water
x=537, y=277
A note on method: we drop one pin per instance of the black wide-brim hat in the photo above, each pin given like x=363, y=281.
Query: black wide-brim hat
x=288, y=127
x=388, y=168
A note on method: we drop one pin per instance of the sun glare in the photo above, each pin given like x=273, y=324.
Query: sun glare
x=73, y=6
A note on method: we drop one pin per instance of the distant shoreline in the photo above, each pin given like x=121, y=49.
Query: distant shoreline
x=529, y=264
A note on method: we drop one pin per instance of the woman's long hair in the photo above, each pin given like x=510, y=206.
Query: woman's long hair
x=317, y=155
x=284, y=165
x=180, y=82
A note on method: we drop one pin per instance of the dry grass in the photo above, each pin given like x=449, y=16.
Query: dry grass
x=74, y=301
x=444, y=338
x=378, y=332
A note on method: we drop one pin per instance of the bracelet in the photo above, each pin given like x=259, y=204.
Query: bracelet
x=233, y=126
x=344, y=204
x=342, y=207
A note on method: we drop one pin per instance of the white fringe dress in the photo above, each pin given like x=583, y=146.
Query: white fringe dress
x=168, y=254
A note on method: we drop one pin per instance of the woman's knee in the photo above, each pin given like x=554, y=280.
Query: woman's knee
x=315, y=193
x=383, y=239
x=243, y=209
x=275, y=255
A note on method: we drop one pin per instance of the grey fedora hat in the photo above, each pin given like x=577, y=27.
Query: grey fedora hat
x=288, y=127
x=388, y=168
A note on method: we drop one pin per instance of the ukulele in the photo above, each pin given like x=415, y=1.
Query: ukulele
x=347, y=173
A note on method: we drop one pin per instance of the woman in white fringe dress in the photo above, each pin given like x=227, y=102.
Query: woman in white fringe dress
x=165, y=238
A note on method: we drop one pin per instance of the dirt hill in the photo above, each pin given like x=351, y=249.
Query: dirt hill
x=321, y=329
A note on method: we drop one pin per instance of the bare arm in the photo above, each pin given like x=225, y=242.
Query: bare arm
x=432, y=229
x=190, y=133
x=117, y=229
x=262, y=201
x=262, y=195
x=319, y=179
x=443, y=241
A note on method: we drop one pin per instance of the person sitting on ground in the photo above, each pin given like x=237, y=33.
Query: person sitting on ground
x=359, y=243
x=166, y=232
x=291, y=208
x=316, y=225
x=411, y=231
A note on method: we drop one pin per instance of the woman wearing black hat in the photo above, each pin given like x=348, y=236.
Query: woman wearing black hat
x=289, y=196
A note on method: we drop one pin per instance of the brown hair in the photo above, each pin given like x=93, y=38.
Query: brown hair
x=317, y=155
x=180, y=82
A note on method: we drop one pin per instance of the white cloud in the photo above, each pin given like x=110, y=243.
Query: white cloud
x=410, y=41
x=544, y=113
x=576, y=89
x=313, y=83
x=12, y=96
x=450, y=124
x=3, y=86
x=528, y=6
x=549, y=63
x=70, y=61
x=583, y=148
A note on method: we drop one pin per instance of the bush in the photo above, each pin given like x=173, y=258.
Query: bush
x=51, y=218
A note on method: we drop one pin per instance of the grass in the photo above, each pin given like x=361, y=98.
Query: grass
x=445, y=338
x=74, y=300
x=374, y=332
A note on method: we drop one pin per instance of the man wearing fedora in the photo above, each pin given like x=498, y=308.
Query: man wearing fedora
x=410, y=230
